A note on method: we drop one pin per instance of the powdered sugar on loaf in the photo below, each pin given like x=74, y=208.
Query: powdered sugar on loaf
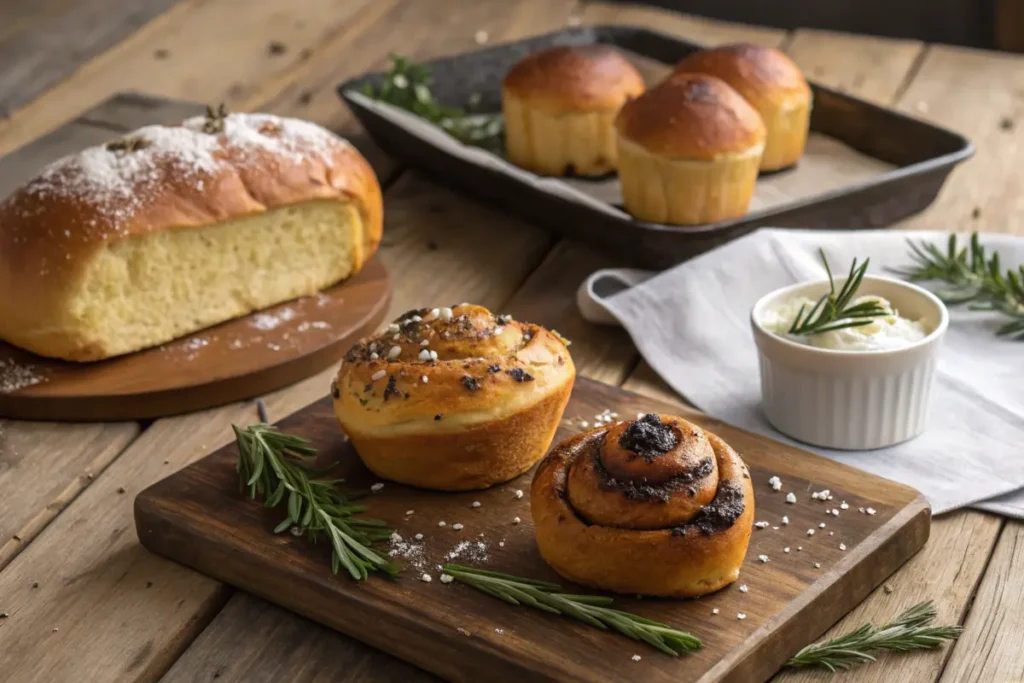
x=118, y=178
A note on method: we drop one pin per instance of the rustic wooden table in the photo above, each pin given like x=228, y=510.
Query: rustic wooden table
x=83, y=601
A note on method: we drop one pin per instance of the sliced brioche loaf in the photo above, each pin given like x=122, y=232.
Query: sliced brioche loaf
x=175, y=228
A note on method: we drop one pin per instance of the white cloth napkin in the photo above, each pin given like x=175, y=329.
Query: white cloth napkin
x=691, y=324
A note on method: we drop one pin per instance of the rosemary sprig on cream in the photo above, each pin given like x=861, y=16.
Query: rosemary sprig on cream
x=275, y=466
x=407, y=86
x=835, y=311
x=590, y=609
x=911, y=630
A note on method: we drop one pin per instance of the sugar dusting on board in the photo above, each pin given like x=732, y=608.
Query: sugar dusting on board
x=15, y=376
x=121, y=177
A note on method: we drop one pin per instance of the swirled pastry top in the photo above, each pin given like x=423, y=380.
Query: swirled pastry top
x=573, y=79
x=200, y=172
x=657, y=472
x=450, y=367
x=693, y=116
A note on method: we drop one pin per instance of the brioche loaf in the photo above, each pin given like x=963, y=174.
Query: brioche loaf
x=773, y=85
x=172, y=229
x=689, y=151
x=453, y=398
x=559, y=104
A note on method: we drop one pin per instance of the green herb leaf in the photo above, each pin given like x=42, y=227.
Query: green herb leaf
x=833, y=310
x=972, y=276
x=407, y=86
x=590, y=609
x=271, y=463
x=911, y=630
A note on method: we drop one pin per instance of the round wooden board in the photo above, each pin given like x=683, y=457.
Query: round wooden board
x=239, y=359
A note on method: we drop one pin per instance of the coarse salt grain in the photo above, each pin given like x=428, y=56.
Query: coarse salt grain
x=441, y=524
x=425, y=342
x=424, y=379
x=426, y=578
x=475, y=504
x=843, y=506
x=810, y=532
x=418, y=537
x=447, y=578
x=842, y=546
x=775, y=483
x=519, y=493
x=743, y=588
x=870, y=511
x=817, y=565
x=636, y=658
x=822, y=525
x=714, y=611
x=409, y=512
x=763, y=558
x=457, y=527
x=790, y=497
x=378, y=375
x=741, y=616
x=377, y=487
x=516, y=520
x=760, y=525
x=785, y=550
x=785, y=520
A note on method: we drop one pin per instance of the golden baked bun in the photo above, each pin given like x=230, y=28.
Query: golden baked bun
x=773, y=85
x=689, y=151
x=172, y=229
x=559, y=104
x=653, y=506
x=453, y=398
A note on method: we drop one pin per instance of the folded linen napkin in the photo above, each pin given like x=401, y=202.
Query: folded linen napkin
x=691, y=324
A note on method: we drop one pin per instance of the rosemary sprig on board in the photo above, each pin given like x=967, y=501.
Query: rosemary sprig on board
x=973, y=276
x=407, y=86
x=276, y=466
x=833, y=310
x=911, y=630
x=590, y=609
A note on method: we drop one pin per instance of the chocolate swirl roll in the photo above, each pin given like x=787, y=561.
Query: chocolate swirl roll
x=655, y=506
x=453, y=398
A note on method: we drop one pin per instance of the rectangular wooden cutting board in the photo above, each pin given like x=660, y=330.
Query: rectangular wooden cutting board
x=198, y=517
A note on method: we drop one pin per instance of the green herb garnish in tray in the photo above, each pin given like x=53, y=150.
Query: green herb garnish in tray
x=590, y=609
x=835, y=310
x=973, y=276
x=277, y=466
x=407, y=86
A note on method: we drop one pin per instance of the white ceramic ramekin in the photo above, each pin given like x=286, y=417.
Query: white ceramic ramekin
x=851, y=400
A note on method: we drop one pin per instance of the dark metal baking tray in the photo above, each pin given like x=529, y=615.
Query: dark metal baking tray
x=922, y=154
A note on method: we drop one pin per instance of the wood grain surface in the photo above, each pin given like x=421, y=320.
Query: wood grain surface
x=197, y=517
x=108, y=631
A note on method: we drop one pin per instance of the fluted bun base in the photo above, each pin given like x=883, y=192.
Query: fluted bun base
x=453, y=399
x=597, y=497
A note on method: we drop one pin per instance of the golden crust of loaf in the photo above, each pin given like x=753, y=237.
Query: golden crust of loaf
x=453, y=399
x=655, y=506
x=764, y=76
x=574, y=79
x=163, y=178
x=691, y=116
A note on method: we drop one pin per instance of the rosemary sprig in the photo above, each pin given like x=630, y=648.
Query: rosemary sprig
x=590, y=609
x=275, y=465
x=407, y=86
x=911, y=630
x=973, y=276
x=833, y=310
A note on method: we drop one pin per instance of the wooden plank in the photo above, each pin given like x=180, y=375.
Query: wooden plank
x=981, y=95
x=197, y=518
x=989, y=649
x=85, y=600
x=696, y=29
x=875, y=69
x=188, y=54
x=43, y=467
x=50, y=42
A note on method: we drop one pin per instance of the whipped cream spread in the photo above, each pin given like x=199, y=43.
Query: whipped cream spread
x=891, y=331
